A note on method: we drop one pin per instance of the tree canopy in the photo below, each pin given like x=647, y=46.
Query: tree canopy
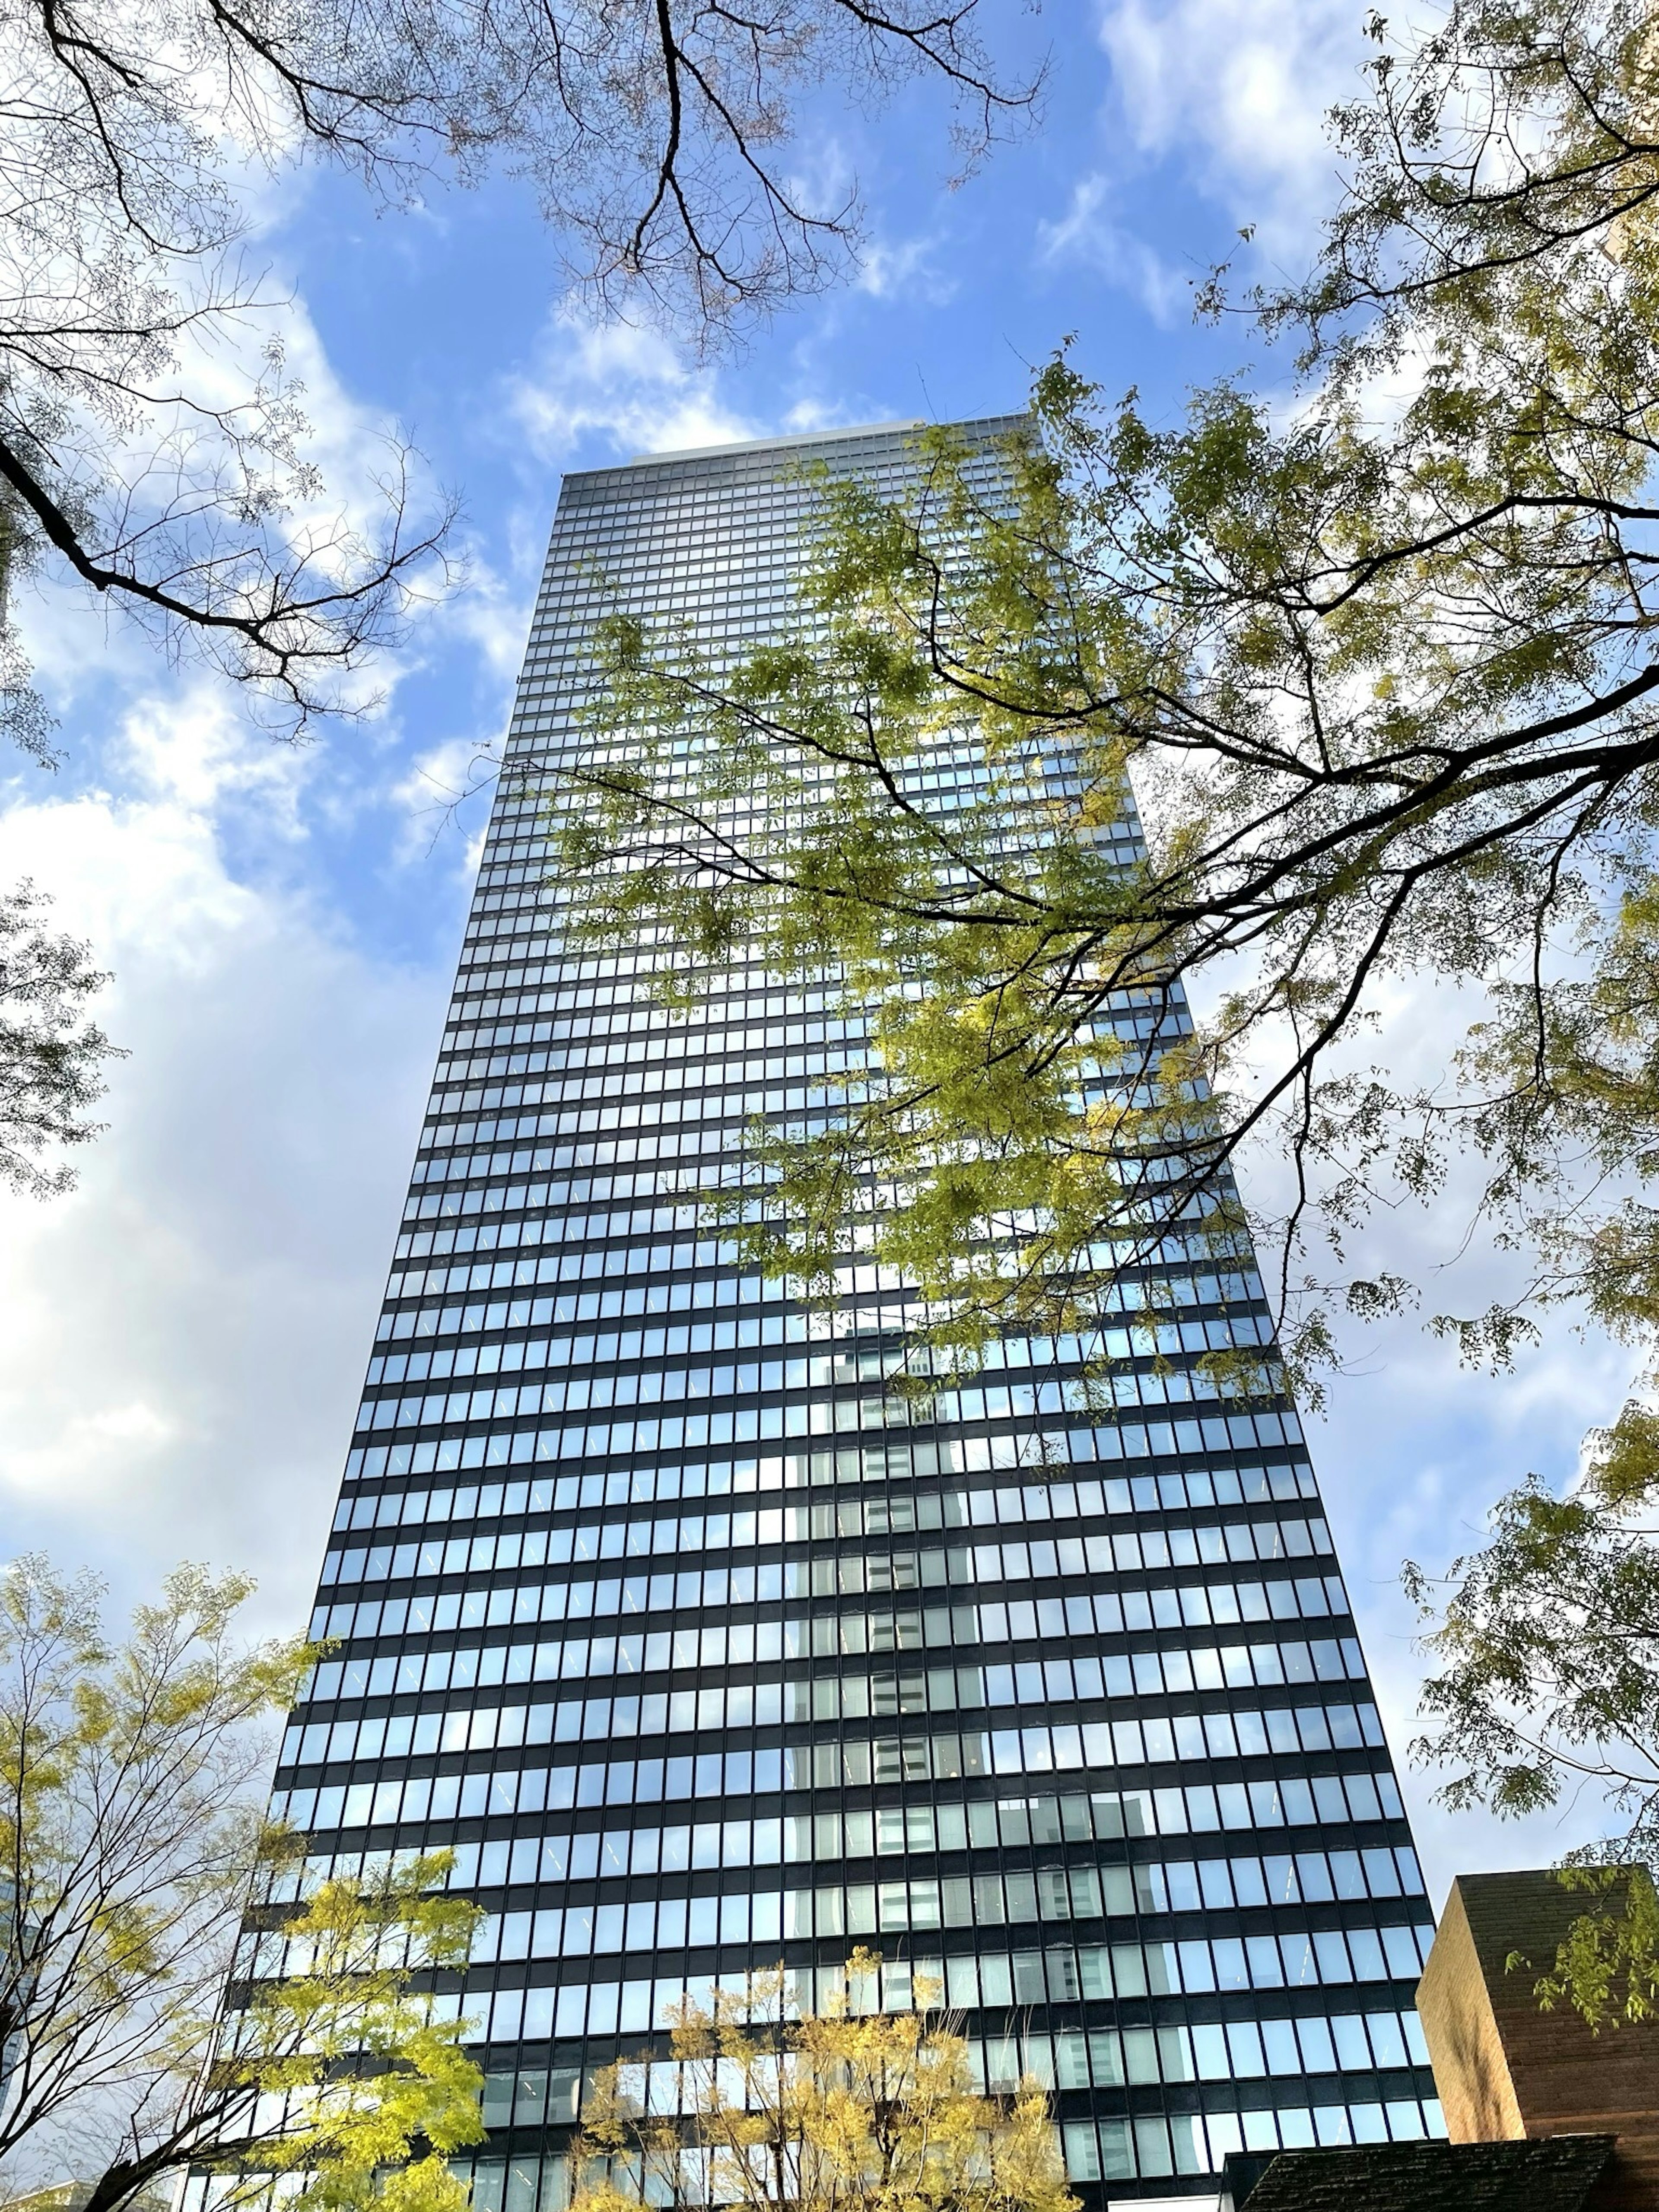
x=1544, y=1651
x=1320, y=693
x=154, y=448
x=153, y=451
x=51, y=1052
x=1292, y=701
x=834, y=2111
x=160, y=2013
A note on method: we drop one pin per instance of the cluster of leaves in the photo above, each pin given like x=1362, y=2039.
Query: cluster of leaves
x=50, y=1053
x=364, y=2095
x=1375, y=674
x=133, y=1842
x=142, y=454
x=1545, y=1641
x=1607, y=1966
x=836, y=2112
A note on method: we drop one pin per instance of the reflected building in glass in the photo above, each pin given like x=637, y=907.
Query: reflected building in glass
x=702, y=1654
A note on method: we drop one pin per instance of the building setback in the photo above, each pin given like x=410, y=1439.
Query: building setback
x=702, y=1654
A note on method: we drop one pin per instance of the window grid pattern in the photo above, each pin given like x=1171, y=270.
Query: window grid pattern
x=1057, y=1706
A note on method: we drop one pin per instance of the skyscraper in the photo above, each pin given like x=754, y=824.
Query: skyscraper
x=702, y=1654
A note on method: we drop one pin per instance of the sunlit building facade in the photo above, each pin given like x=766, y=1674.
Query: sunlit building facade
x=702, y=1654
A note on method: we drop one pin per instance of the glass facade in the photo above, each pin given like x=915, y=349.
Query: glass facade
x=702, y=1653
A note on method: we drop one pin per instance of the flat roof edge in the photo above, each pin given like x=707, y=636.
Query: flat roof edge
x=797, y=438
x=763, y=445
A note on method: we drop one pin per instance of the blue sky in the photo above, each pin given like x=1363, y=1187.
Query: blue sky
x=186, y=1333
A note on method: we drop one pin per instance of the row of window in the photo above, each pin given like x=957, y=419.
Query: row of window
x=554, y=982
x=1193, y=1489
x=518, y=1356
x=569, y=1266
x=627, y=1075
x=547, y=992
x=987, y=1981
x=902, y=1512
x=1126, y=1551
x=1072, y=1394
x=1199, y=1604
x=664, y=1217
x=891, y=1462
x=1214, y=1605
x=477, y=1275
x=1144, y=1740
x=1144, y=1341
x=1315, y=1877
x=662, y=1298
x=663, y=1188
x=656, y=1386
x=1293, y=1801
x=1071, y=2058
x=560, y=986
x=742, y=1643
x=646, y=1140
x=1301, y=1958
x=647, y=1032
x=525, y=829
x=1265, y=1432
x=456, y=1120
x=477, y=1024
x=1150, y=2146
x=571, y=1103
x=706, y=1054
x=495, y=1168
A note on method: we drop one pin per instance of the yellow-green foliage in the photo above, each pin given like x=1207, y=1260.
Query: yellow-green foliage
x=1379, y=669
x=831, y=2113
x=133, y=1784
x=363, y=2074
x=1607, y=1966
x=1544, y=1653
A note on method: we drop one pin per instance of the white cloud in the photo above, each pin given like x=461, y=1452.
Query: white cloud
x=1235, y=92
x=1413, y=1450
x=1411, y=1455
x=349, y=444
x=1089, y=232
x=354, y=493
x=808, y=415
x=621, y=383
x=445, y=798
x=493, y=613
x=199, y=754
x=186, y=1332
x=905, y=270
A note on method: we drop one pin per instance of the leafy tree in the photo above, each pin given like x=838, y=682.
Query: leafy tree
x=49, y=1052
x=829, y=2111
x=1607, y=1965
x=1295, y=704
x=1373, y=674
x=137, y=458
x=134, y=1847
x=153, y=446
x=1544, y=1652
